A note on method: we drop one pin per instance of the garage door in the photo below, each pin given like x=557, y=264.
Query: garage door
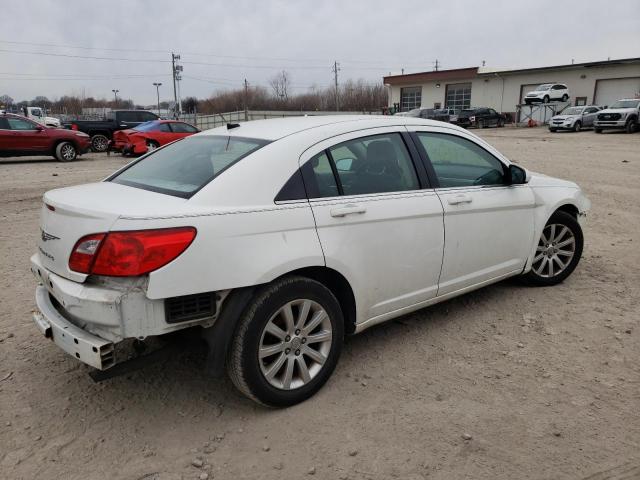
x=608, y=91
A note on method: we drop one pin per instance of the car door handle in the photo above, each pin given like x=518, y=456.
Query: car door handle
x=458, y=199
x=347, y=210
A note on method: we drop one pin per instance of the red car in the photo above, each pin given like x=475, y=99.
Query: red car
x=150, y=135
x=21, y=137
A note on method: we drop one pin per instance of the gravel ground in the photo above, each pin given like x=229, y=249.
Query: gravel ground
x=508, y=382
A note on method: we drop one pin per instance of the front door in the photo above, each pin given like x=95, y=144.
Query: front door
x=488, y=224
x=378, y=223
x=27, y=136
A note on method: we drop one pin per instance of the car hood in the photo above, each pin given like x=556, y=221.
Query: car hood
x=618, y=110
x=565, y=117
x=541, y=180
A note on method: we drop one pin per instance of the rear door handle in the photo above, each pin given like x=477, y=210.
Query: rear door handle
x=458, y=199
x=349, y=209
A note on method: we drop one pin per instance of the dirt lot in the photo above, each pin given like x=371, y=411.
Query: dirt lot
x=546, y=381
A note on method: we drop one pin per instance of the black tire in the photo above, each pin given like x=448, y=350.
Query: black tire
x=565, y=97
x=152, y=145
x=66, y=152
x=552, y=130
x=500, y=123
x=567, y=220
x=243, y=364
x=631, y=126
x=480, y=124
x=597, y=130
x=99, y=142
x=545, y=99
x=577, y=126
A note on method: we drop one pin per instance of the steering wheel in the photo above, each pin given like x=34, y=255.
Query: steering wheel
x=492, y=177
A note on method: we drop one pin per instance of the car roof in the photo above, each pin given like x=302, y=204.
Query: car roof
x=277, y=128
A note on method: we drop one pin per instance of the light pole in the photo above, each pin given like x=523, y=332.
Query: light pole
x=158, y=85
x=115, y=97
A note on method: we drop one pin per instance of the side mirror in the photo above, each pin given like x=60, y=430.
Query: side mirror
x=39, y=128
x=518, y=175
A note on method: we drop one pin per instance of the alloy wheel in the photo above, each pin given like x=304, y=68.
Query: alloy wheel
x=295, y=344
x=68, y=152
x=556, y=248
x=99, y=143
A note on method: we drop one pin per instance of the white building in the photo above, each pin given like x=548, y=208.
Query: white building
x=598, y=83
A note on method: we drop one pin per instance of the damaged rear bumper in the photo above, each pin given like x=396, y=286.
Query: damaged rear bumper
x=88, y=348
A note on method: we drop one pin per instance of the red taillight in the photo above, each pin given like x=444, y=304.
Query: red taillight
x=133, y=253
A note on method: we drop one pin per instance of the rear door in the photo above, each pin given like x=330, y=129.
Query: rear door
x=488, y=224
x=378, y=222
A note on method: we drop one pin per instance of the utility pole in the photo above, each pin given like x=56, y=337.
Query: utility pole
x=246, y=100
x=335, y=70
x=436, y=65
x=175, y=72
x=158, y=85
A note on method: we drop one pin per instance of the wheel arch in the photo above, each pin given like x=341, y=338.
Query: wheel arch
x=569, y=208
x=58, y=141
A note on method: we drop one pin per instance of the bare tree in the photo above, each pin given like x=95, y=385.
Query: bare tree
x=281, y=84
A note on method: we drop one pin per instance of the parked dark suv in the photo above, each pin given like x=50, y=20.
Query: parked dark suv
x=480, y=117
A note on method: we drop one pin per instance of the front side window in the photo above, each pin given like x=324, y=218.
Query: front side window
x=459, y=162
x=366, y=165
x=410, y=98
x=183, y=168
x=19, y=124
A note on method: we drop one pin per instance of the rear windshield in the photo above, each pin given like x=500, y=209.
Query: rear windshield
x=147, y=126
x=184, y=167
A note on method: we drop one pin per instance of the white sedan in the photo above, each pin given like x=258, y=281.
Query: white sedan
x=274, y=239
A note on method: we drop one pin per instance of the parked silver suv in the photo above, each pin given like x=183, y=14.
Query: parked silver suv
x=574, y=118
x=622, y=114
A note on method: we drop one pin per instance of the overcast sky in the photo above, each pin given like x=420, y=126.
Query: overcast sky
x=224, y=42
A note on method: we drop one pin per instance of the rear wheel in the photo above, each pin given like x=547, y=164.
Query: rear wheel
x=287, y=342
x=99, y=143
x=565, y=97
x=577, y=126
x=631, y=126
x=545, y=99
x=66, y=152
x=480, y=124
x=151, y=145
x=558, y=251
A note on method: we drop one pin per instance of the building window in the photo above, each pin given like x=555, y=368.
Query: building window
x=581, y=101
x=410, y=98
x=458, y=96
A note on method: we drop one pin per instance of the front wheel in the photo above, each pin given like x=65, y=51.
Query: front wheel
x=558, y=251
x=577, y=126
x=99, y=143
x=597, y=130
x=545, y=99
x=66, y=152
x=287, y=342
x=565, y=97
x=631, y=126
x=552, y=130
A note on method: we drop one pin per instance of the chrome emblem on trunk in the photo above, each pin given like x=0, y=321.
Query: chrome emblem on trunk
x=47, y=236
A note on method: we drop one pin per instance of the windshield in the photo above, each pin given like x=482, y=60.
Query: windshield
x=573, y=111
x=625, y=104
x=147, y=126
x=544, y=86
x=184, y=167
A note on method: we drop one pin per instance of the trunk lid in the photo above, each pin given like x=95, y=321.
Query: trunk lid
x=69, y=214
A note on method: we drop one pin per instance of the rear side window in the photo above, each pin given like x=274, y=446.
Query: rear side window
x=179, y=127
x=367, y=165
x=459, y=162
x=183, y=168
x=19, y=124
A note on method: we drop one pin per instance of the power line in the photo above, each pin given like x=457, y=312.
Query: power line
x=208, y=54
